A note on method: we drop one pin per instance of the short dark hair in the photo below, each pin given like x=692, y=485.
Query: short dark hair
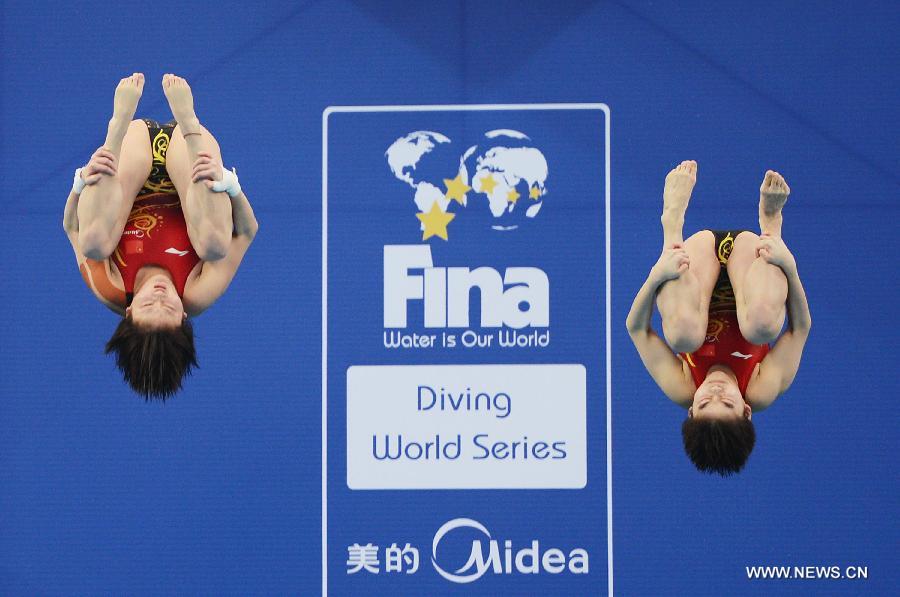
x=153, y=361
x=718, y=446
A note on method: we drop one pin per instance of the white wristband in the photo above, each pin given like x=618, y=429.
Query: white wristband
x=78, y=184
x=228, y=184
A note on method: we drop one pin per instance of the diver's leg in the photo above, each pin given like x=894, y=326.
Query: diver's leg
x=207, y=213
x=103, y=207
x=684, y=302
x=760, y=288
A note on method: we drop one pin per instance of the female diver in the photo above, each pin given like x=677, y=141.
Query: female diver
x=159, y=229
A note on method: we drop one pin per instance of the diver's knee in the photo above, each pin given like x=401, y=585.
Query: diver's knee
x=684, y=332
x=96, y=243
x=762, y=324
x=212, y=246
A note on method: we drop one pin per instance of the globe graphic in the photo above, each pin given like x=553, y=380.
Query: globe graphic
x=504, y=175
x=422, y=160
x=511, y=175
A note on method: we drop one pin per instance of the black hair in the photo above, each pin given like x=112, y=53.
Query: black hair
x=154, y=362
x=718, y=446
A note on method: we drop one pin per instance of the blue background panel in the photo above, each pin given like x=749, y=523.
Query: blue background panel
x=368, y=207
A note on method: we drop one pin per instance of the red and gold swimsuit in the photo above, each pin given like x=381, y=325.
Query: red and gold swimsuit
x=155, y=233
x=724, y=344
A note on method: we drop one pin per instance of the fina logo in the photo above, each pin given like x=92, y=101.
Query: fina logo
x=444, y=292
x=503, y=173
x=528, y=560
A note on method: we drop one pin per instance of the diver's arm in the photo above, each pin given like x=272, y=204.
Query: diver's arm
x=243, y=218
x=666, y=369
x=95, y=274
x=778, y=369
x=70, y=215
x=101, y=164
x=799, y=319
x=215, y=276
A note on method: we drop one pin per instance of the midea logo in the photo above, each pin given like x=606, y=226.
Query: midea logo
x=527, y=560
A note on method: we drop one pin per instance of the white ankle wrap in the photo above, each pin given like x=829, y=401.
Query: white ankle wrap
x=229, y=183
x=78, y=184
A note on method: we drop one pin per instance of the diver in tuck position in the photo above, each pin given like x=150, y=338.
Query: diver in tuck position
x=159, y=229
x=723, y=297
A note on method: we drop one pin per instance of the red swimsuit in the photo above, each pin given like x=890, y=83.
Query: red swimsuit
x=155, y=233
x=724, y=344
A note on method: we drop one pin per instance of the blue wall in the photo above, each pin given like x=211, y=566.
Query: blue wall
x=218, y=491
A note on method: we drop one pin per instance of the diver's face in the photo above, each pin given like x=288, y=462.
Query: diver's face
x=719, y=397
x=157, y=305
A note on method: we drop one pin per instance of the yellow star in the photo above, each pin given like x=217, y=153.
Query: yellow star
x=435, y=222
x=512, y=196
x=534, y=193
x=488, y=183
x=457, y=189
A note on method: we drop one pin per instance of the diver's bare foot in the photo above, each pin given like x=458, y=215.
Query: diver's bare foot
x=679, y=185
x=773, y=193
x=128, y=93
x=676, y=195
x=181, y=102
